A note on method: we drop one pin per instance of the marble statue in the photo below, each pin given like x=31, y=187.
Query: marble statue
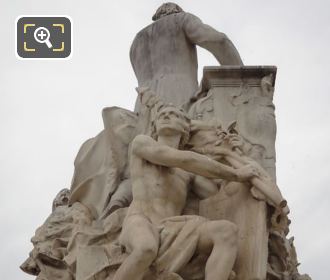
x=160, y=175
x=182, y=188
x=164, y=56
x=52, y=239
x=101, y=166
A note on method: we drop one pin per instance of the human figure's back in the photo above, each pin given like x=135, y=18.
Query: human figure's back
x=165, y=60
x=164, y=56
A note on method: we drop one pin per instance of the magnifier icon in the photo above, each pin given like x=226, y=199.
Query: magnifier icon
x=41, y=35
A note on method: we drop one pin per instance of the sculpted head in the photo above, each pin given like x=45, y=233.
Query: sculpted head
x=212, y=133
x=205, y=133
x=170, y=121
x=61, y=199
x=166, y=9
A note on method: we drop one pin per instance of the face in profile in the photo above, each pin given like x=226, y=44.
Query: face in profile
x=62, y=198
x=211, y=133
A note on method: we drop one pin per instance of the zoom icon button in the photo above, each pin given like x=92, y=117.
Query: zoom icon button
x=43, y=37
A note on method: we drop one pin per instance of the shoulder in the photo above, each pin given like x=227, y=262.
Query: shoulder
x=142, y=140
x=190, y=18
x=191, y=23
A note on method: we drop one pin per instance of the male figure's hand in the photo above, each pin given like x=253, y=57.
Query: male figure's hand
x=246, y=172
x=235, y=141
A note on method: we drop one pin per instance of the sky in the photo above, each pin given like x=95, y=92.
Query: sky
x=49, y=108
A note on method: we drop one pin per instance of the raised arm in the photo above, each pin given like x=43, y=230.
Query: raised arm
x=208, y=38
x=145, y=147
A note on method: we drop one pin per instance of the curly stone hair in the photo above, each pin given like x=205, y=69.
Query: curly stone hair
x=186, y=130
x=166, y=9
x=61, y=199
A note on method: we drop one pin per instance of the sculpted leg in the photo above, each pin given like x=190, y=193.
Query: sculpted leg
x=218, y=239
x=141, y=239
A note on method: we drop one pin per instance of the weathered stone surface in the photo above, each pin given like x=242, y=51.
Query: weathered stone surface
x=243, y=94
x=167, y=193
x=164, y=56
x=52, y=240
x=101, y=166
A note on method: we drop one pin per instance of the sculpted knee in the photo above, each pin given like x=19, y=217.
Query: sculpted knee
x=146, y=253
x=230, y=233
x=225, y=231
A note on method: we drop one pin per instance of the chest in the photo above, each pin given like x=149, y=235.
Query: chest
x=165, y=174
x=173, y=181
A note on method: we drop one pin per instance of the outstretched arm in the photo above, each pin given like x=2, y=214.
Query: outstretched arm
x=208, y=38
x=145, y=147
x=263, y=182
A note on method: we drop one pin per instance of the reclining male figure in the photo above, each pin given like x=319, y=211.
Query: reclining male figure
x=160, y=175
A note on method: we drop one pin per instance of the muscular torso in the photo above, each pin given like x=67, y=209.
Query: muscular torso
x=158, y=192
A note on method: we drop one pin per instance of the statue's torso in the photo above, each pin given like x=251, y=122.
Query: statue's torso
x=158, y=192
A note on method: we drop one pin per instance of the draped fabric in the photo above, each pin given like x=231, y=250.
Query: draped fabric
x=102, y=162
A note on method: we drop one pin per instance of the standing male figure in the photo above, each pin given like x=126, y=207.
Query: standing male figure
x=161, y=174
x=164, y=56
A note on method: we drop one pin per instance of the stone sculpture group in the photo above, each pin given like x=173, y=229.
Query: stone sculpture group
x=185, y=186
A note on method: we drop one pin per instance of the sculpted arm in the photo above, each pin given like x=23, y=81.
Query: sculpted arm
x=148, y=149
x=215, y=42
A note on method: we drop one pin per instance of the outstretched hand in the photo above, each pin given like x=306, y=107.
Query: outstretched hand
x=246, y=172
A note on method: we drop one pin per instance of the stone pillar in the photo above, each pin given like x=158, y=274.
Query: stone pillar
x=243, y=94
